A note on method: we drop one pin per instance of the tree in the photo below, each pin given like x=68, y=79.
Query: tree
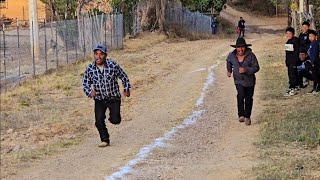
x=203, y=5
x=62, y=8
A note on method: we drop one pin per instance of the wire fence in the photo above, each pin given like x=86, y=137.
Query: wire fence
x=193, y=23
x=60, y=42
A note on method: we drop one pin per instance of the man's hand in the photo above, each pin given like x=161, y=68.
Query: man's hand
x=242, y=70
x=229, y=74
x=93, y=93
x=126, y=92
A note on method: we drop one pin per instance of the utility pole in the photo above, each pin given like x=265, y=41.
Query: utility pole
x=34, y=29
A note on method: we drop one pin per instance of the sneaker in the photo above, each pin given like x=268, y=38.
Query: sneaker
x=315, y=92
x=290, y=92
x=241, y=119
x=311, y=92
x=104, y=143
x=247, y=121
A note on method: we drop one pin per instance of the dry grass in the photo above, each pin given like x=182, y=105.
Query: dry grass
x=290, y=127
x=42, y=116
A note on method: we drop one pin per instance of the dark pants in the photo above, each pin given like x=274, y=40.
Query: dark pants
x=214, y=29
x=316, y=78
x=241, y=32
x=100, y=108
x=304, y=74
x=244, y=100
x=293, y=76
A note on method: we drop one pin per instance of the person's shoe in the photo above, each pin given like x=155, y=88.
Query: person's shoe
x=315, y=92
x=247, y=121
x=241, y=119
x=104, y=143
x=311, y=92
x=290, y=92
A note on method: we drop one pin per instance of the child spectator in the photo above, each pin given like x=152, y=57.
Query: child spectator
x=292, y=49
x=304, y=70
x=313, y=53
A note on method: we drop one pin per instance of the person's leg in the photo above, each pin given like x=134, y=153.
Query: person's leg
x=301, y=74
x=240, y=100
x=114, y=110
x=100, y=110
x=292, y=73
x=249, y=91
x=243, y=32
x=318, y=80
x=315, y=78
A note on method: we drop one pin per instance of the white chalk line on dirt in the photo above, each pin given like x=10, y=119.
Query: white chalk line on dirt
x=160, y=142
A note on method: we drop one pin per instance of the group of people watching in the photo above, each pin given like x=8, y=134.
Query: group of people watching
x=302, y=59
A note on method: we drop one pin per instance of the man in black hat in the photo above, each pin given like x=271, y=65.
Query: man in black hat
x=243, y=64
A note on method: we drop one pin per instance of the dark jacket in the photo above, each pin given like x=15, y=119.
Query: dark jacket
x=313, y=53
x=304, y=41
x=305, y=66
x=241, y=24
x=250, y=62
x=292, y=56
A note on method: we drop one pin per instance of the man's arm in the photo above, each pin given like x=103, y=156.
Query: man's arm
x=254, y=66
x=125, y=80
x=229, y=66
x=87, y=82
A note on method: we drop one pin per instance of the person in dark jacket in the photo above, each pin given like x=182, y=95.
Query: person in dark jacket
x=305, y=69
x=241, y=27
x=292, y=48
x=243, y=63
x=313, y=53
x=304, y=36
x=214, y=25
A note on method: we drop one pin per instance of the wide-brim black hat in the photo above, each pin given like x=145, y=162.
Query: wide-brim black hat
x=241, y=42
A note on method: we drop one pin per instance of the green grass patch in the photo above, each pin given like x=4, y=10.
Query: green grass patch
x=289, y=126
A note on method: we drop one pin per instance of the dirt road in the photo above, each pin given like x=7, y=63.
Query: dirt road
x=180, y=122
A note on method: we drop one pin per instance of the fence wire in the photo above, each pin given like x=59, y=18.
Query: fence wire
x=60, y=42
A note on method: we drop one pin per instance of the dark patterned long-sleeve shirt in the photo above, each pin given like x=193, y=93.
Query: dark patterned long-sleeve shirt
x=104, y=83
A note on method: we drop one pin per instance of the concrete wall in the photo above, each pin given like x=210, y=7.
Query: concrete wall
x=19, y=9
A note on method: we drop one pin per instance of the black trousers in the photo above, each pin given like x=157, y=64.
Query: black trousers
x=241, y=32
x=293, y=76
x=100, y=108
x=244, y=100
x=316, y=78
x=304, y=74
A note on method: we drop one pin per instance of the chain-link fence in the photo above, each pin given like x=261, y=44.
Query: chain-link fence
x=193, y=23
x=60, y=42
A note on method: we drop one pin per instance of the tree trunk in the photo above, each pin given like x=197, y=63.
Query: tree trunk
x=161, y=13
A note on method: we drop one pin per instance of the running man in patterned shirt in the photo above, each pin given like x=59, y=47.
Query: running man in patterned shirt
x=100, y=82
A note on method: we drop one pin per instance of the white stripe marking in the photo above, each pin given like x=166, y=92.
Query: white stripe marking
x=160, y=142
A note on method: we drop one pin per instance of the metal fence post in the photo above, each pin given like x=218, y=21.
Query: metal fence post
x=33, y=56
x=66, y=40
x=18, y=35
x=45, y=45
x=57, y=64
x=84, y=40
x=4, y=41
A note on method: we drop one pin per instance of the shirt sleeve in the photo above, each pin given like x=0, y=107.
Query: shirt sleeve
x=87, y=82
x=229, y=64
x=123, y=76
x=254, y=66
